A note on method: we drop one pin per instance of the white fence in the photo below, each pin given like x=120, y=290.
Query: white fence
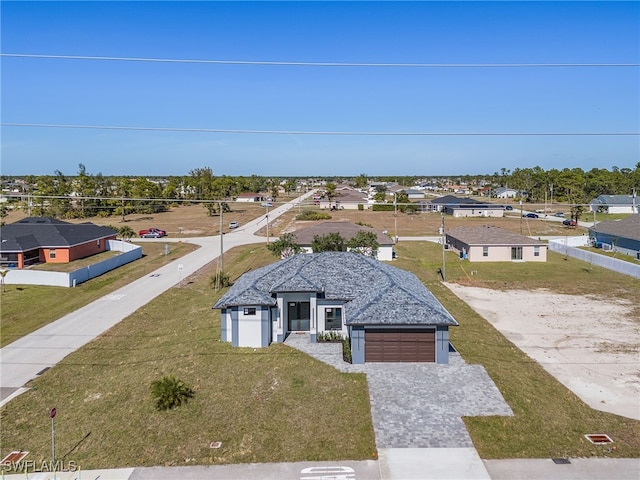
x=620, y=266
x=130, y=252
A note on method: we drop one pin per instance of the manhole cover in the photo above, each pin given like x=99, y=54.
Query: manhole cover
x=560, y=461
x=599, y=438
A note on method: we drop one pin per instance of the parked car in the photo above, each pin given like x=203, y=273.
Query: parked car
x=160, y=232
x=531, y=215
x=570, y=222
x=151, y=234
x=508, y=207
x=559, y=214
x=234, y=225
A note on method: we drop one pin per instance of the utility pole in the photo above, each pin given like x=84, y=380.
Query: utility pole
x=444, y=268
x=267, y=217
x=221, y=239
x=395, y=216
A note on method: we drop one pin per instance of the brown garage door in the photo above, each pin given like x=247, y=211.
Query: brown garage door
x=399, y=345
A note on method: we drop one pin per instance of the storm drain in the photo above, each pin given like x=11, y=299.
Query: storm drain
x=561, y=461
x=599, y=438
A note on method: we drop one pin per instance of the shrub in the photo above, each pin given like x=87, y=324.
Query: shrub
x=383, y=207
x=346, y=349
x=169, y=392
x=312, y=215
x=360, y=207
x=329, y=337
x=220, y=280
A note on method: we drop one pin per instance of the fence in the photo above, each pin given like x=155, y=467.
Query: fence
x=129, y=253
x=620, y=266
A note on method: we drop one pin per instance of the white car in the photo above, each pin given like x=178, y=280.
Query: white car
x=234, y=225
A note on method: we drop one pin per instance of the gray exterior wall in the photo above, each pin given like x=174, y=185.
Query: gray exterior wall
x=442, y=344
x=357, y=344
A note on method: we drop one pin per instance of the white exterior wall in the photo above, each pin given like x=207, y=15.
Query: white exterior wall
x=249, y=329
x=478, y=212
x=225, y=319
x=502, y=253
x=385, y=252
x=321, y=305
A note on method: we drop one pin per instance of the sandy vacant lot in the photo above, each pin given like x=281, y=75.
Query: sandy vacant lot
x=590, y=345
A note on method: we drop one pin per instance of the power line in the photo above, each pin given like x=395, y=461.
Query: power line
x=311, y=132
x=318, y=64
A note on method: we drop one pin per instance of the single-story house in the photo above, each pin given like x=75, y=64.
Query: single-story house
x=615, y=204
x=49, y=240
x=414, y=194
x=304, y=236
x=487, y=243
x=466, y=207
x=345, y=198
x=251, y=197
x=387, y=313
x=505, y=192
x=622, y=235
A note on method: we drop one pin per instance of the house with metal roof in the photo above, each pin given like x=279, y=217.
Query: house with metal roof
x=387, y=313
x=615, y=204
x=488, y=243
x=620, y=235
x=347, y=230
x=466, y=207
x=48, y=240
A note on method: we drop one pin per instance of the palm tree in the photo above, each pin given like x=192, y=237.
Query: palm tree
x=3, y=273
x=126, y=233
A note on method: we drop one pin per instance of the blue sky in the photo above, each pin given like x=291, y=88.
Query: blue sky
x=313, y=98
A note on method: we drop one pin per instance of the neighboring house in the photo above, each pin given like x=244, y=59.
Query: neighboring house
x=251, y=197
x=615, y=204
x=466, y=207
x=304, y=236
x=345, y=198
x=493, y=244
x=48, y=240
x=386, y=312
x=414, y=194
x=504, y=192
x=621, y=235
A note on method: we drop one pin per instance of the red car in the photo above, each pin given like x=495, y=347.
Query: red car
x=152, y=230
x=570, y=223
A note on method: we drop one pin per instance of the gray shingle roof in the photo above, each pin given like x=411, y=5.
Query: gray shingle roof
x=347, y=230
x=375, y=293
x=45, y=232
x=615, y=200
x=490, y=235
x=628, y=227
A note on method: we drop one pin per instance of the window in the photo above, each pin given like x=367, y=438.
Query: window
x=98, y=243
x=250, y=311
x=536, y=251
x=333, y=318
x=485, y=251
x=52, y=253
x=516, y=253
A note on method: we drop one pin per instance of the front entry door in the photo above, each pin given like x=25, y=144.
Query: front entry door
x=299, y=316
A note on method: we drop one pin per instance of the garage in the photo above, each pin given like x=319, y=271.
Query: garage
x=400, y=345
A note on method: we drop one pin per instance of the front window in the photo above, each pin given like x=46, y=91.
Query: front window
x=52, y=253
x=250, y=311
x=485, y=251
x=536, y=251
x=516, y=253
x=333, y=318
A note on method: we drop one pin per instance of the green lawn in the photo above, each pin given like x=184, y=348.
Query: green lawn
x=549, y=421
x=277, y=404
x=25, y=308
x=266, y=405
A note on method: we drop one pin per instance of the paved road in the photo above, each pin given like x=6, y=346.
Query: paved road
x=29, y=356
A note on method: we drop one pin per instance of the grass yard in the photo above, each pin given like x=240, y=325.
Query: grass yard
x=25, y=308
x=549, y=420
x=266, y=405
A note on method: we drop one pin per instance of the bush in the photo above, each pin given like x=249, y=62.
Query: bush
x=329, y=337
x=383, y=207
x=346, y=349
x=220, y=280
x=312, y=215
x=360, y=207
x=170, y=392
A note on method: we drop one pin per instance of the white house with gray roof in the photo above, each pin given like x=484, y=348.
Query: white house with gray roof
x=387, y=312
x=488, y=243
x=615, y=204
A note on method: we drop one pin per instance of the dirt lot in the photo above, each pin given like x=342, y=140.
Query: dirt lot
x=590, y=345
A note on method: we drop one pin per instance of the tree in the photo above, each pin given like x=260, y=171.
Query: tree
x=4, y=212
x=126, y=233
x=365, y=243
x=3, y=273
x=361, y=181
x=330, y=191
x=331, y=242
x=286, y=246
x=170, y=392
